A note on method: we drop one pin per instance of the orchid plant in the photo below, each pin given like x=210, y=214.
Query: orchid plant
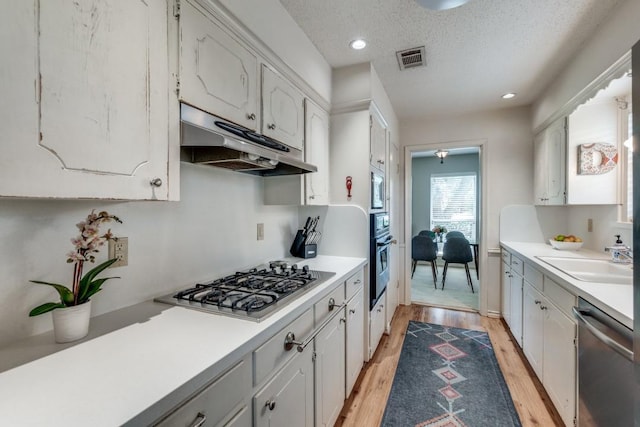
x=86, y=245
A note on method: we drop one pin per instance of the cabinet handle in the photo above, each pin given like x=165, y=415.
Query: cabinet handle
x=199, y=421
x=343, y=320
x=332, y=304
x=156, y=182
x=543, y=307
x=312, y=197
x=251, y=116
x=271, y=126
x=290, y=341
x=271, y=404
x=381, y=162
x=352, y=311
x=380, y=308
x=357, y=282
x=537, y=301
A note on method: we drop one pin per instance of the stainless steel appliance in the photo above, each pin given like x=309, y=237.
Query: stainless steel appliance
x=635, y=101
x=212, y=140
x=379, y=255
x=605, y=369
x=377, y=190
x=253, y=294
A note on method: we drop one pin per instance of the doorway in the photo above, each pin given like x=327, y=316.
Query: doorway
x=444, y=193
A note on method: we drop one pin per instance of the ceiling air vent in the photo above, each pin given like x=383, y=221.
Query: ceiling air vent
x=411, y=58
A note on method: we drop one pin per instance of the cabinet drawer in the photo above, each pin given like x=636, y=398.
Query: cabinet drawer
x=517, y=265
x=323, y=308
x=506, y=256
x=562, y=298
x=216, y=401
x=272, y=354
x=354, y=284
x=533, y=276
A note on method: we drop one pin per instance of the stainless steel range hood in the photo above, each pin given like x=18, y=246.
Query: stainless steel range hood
x=203, y=141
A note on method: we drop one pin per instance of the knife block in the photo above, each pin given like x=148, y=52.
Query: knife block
x=300, y=250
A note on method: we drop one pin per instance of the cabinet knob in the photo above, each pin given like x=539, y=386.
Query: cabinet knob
x=156, y=182
x=352, y=311
x=543, y=307
x=357, y=282
x=271, y=404
x=381, y=162
x=290, y=341
x=537, y=301
x=312, y=197
x=343, y=320
x=271, y=126
x=251, y=116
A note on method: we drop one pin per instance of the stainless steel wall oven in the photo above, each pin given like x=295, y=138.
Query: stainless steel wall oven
x=379, y=256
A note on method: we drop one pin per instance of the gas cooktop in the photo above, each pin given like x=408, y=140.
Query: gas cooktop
x=252, y=294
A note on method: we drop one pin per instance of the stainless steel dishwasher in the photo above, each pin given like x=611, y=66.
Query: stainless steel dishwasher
x=605, y=368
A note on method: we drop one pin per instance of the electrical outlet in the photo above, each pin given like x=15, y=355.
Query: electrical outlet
x=260, y=231
x=119, y=249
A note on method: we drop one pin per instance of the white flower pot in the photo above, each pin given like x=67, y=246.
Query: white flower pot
x=71, y=323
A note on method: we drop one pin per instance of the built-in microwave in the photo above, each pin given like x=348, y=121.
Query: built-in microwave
x=377, y=190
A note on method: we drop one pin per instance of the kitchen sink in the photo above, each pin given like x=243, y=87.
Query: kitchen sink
x=592, y=270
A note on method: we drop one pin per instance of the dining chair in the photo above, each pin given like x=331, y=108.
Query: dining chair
x=430, y=234
x=455, y=234
x=423, y=249
x=457, y=250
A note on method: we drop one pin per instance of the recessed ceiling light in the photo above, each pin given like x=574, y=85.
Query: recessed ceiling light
x=358, y=44
x=509, y=95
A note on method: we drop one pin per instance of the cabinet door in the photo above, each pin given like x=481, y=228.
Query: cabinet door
x=506, y=293
x=354, y=339
x=533, y=327
x=217, y=73
x=559, y=361
x=376, y=324
x=516, y=307
x=282, y=110
x=98, y=127
x=378, y=141
x=539, y=170
x=556, y=146
x=330, y=371
x=317, y=153
x=287, y=400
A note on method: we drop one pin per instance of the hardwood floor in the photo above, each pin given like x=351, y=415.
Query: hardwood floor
x=365, y=407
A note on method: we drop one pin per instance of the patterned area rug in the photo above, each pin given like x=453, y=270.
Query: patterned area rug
x=448, y=377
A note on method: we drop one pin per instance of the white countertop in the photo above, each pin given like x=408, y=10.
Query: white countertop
x=615, y=300
x=136, y=357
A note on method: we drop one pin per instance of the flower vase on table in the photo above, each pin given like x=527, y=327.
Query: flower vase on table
x=439, y=230
x=72, y=313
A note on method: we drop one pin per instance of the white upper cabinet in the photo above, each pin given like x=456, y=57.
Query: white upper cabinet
x=378, y=143
x=86, y=100
x=217, y=73
x=282, y=110
x=549, y=164
x=317, y=153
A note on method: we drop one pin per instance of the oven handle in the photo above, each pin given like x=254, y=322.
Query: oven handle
x=290, y=339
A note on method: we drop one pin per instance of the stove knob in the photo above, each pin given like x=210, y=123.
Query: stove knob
x=272, y=265
x=294, y=268
x=305, y=269
x=284, y=266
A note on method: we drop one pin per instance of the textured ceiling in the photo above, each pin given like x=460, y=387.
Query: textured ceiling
x=474, y=53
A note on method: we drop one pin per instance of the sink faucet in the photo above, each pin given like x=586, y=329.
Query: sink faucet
x=620, y=253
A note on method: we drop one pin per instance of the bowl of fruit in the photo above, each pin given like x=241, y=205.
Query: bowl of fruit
x=566, y=242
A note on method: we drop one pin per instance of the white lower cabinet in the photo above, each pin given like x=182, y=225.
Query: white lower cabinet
x=549, y=345
x=287, y=399
x=515, y=306
x=506, y=291
x=354, y=339
x=224, y=402
x=330, y=371
x=376, y=324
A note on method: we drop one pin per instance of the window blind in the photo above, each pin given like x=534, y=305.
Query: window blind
x=453, y=203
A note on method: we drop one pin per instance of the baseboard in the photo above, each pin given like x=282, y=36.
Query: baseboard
x=494, y=314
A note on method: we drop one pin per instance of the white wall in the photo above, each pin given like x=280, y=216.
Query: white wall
x=509, y=174
x=209, y=233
